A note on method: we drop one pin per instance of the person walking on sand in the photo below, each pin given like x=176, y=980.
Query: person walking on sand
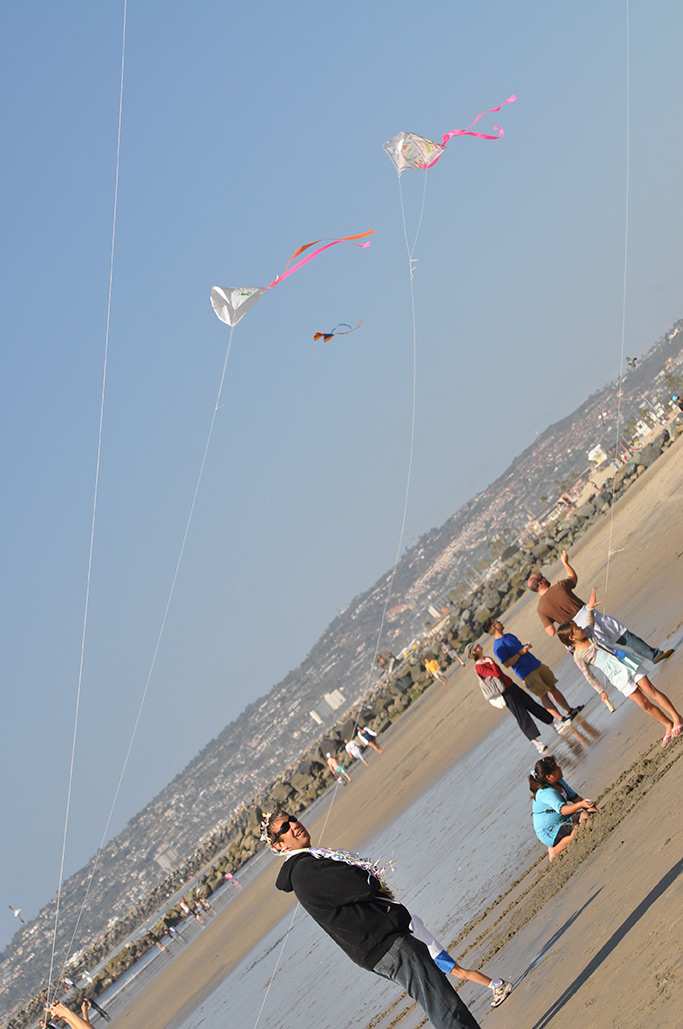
x=368, y=738
x=350, y=899
x=353, y=749
x=451, y=654
x=625, y=675
x=337, y=769
x=557, y=810
x=538, y=678
x=558, y=604
x=495, y=684
x=433, y=667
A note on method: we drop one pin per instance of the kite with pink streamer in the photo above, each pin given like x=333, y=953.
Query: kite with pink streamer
x=231, y=303
x=408, y=150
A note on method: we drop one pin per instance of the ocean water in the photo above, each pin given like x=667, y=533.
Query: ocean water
x=454, y=849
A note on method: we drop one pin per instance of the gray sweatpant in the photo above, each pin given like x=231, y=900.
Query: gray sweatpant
x=409, y=963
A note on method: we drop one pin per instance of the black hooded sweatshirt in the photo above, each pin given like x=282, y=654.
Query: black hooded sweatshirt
x=346, y=901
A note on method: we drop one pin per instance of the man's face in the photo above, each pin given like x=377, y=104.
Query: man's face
x=294, y=837
x=497, y=628
x=477, y=651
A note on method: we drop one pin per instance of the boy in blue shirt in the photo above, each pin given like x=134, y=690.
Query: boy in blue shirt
x=538, y=678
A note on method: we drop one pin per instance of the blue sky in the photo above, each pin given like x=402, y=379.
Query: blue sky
x=246, y=133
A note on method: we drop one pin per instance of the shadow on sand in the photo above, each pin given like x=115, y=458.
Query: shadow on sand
x=553, y=940
x=615, y=939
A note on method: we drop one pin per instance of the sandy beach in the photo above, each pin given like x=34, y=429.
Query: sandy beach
x=624, y=935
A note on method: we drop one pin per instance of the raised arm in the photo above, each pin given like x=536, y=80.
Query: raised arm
x=571, y=574
x=60, y=1010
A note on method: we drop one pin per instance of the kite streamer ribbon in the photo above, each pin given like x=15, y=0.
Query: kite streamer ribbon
x=498, y=132
x=290, y=269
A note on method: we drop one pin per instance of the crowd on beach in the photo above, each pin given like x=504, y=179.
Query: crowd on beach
x=350, y=897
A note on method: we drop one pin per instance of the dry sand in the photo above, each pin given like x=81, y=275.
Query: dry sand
x=645, y=590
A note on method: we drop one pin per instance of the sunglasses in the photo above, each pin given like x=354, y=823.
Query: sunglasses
x=284, y=828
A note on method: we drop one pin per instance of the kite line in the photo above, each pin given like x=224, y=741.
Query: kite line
x=162, y=628
x=625, y=273
x=96, y=490
x=291, y=921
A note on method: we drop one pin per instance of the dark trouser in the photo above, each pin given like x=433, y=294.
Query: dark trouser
x=638, y=646
x=408, y=963
x=521, y=705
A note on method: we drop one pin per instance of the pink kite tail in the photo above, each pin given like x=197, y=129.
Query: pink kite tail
x=310, y=257
x=498, y=132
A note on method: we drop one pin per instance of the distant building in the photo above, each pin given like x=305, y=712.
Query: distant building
x=316, y=717
x=335, y=699
x=597, y=455
x=167, y=858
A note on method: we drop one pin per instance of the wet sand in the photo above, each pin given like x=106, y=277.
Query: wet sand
x=645, y=590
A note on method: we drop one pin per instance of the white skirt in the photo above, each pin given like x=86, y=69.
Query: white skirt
x=617, y=674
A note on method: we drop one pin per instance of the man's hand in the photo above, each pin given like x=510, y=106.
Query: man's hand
x=571, y=574
x=551, y=630
x=592, y=600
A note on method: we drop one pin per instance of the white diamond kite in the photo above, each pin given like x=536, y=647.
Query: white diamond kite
x=231, y=304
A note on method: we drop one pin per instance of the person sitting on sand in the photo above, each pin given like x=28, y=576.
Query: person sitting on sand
x=625, y=675
x=495, y=684
x=350, y=899
x=558, y=604
x=556, y=809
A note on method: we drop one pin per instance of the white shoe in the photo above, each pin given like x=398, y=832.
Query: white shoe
x=562, y=725
x=540, y=746
x=500, y=990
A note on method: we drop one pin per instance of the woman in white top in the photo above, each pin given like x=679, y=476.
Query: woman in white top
x=628, y=677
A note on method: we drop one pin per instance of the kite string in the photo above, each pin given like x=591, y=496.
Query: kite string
x=96, y=488
x=291, y=921
x=624, y=291
x=160, y=633
x=413, y=393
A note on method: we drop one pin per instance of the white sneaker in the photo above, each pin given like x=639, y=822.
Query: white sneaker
x=540, y=746
x=562, y=725
x=500, y=989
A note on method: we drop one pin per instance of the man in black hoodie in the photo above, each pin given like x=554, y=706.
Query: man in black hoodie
x=355, y=908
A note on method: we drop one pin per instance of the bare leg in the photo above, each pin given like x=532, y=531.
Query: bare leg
x=639, y=698
x=376, y=746
x=557, y=695
x=549, y=706
x=472, y=975
x=555, y=851
x=661, y=699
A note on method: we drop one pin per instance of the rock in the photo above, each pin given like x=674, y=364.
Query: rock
x=648, y=455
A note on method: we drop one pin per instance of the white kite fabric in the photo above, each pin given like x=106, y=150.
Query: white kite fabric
x=230, y=304
x=407, y=150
